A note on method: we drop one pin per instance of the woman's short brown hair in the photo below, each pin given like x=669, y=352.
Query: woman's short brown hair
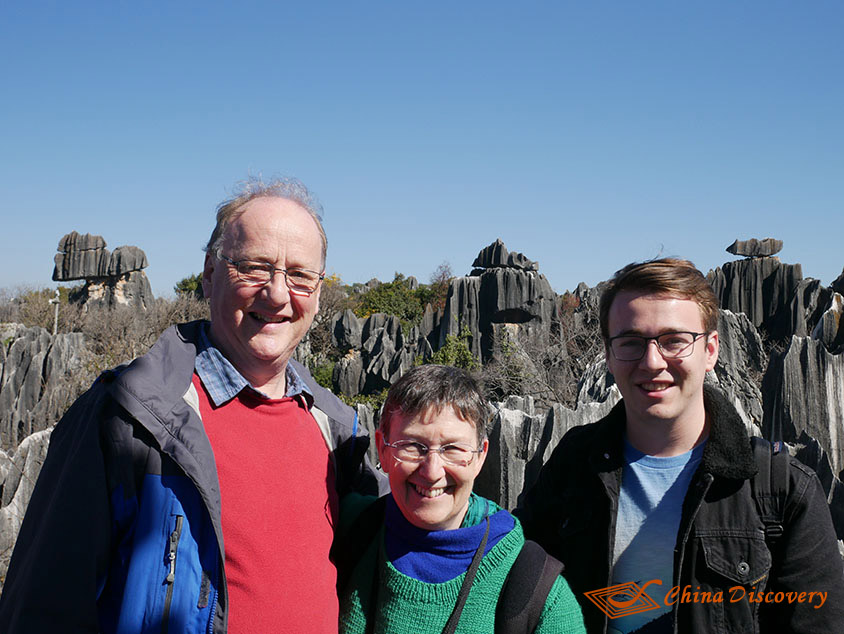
x=435, y=387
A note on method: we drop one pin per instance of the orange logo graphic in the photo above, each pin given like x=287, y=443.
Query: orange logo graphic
x=623, y=599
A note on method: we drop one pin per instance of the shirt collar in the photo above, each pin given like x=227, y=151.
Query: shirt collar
x=224, y=382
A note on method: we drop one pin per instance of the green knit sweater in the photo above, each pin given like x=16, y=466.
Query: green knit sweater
x=406, y=605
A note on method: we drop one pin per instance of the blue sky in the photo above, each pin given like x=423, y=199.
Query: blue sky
x=584, y=134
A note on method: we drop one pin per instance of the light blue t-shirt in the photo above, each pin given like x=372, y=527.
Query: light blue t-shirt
x=649, y=510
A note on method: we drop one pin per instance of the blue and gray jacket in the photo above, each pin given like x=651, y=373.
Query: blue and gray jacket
x=123, y=531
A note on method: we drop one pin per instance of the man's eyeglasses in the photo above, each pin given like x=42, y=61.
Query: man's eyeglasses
x=671, y=345
x=412, y=451
x=299, y=281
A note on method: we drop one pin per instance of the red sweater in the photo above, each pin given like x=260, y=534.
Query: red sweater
x=279, y=505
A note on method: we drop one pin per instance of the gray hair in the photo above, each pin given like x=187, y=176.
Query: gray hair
x=288, y=188
x=435, y=387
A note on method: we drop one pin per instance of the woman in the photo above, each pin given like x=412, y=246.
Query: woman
x=437, y=555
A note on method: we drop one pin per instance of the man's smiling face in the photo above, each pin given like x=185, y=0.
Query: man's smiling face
x=655, y=388
x=257, y=328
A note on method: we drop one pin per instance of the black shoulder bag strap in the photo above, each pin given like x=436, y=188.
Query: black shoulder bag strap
x=348, y=549
x=770, y=486
x=454, y=619
x=526, y=590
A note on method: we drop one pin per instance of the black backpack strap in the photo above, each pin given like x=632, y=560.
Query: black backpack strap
x=770, y=485
x=348, y=548
x=526, y=590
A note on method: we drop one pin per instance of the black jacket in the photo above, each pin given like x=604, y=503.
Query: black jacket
x=571, y=512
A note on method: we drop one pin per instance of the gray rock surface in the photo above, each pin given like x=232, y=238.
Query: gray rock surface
x=740, y=367
x=368, y=420
x=496, y=255
x=111, y=278
x=830, y=327
x=808, y=303
x=521, y=441
x=838, y=284
x=760, y=288
x=39, y=378
x=125, y=260
x=346, y=330
x=597, y=385
x=348, y=375
x=18, y=474
x=131, y=289
x=803, y=390
x=755, y=248
x=496, y=296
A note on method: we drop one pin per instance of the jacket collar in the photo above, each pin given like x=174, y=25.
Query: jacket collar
x=727, y=453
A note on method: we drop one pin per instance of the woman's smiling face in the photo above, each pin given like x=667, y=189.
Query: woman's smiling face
x=431, y=494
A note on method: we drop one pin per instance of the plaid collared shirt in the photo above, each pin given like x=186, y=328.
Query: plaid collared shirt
x=224, y=382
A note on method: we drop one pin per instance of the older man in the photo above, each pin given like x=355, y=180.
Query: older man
x=215, y=434
x=657, y=511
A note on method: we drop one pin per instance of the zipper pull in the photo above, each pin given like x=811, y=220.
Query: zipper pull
x=174, y=546
x=171, y=576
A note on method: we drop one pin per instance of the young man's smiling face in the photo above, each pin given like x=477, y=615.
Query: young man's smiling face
x=257, y=328
x=431, y=494
x=654, y=388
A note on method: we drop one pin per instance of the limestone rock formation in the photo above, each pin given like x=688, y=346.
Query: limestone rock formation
x=508, y=289
x=803, y=391
x=838, y=284
x=521, y=441
x=18, y=474
x=830, y=327
x=111, y=278
x=496, y=255
x=346, y=331
x=597, y=385
x=807, y=305
x=381, y=356
x=39, y=378
x=505, y=298
x=761, y=288
x=741, y=364
x=754, y=248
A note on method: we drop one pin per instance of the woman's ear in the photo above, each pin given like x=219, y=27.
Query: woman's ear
x=382, y=455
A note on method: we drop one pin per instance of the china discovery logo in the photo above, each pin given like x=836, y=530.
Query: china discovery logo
x=624, y=599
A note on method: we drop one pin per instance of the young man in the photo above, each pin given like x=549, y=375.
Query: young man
x=215, y=434
x=658, y=493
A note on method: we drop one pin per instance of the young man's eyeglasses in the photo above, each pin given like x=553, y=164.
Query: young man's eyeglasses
x=671, y=345
x=299, y=281
x=412, y=451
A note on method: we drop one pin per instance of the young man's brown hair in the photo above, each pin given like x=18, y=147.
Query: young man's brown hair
x=671, y=277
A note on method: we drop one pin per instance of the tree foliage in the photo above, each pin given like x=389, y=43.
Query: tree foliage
x=393, y=298
x=455, y=352
x=190, y=285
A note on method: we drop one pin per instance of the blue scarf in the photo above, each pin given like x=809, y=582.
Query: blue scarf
x=439, y=556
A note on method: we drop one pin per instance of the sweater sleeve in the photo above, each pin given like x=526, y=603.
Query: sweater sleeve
x=561, y=614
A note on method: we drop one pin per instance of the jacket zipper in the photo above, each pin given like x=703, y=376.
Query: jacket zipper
x=171, y=574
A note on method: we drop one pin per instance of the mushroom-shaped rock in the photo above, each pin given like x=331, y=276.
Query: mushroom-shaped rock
x=754, y=248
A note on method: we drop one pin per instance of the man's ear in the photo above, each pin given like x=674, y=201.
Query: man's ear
x=317, y=293
x=207, y=272
x=712, y=347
